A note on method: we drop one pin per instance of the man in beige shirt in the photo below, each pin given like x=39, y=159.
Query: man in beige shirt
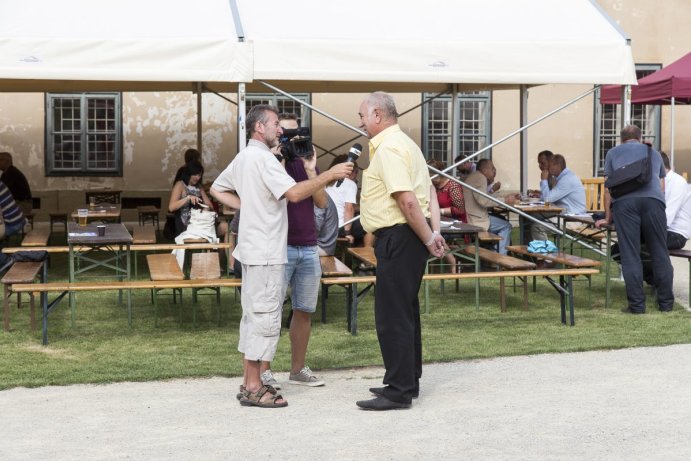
x=477, y=205
x=399, y=205
x=262, y=184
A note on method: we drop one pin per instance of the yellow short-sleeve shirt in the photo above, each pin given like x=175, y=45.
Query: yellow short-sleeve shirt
x=396, y=165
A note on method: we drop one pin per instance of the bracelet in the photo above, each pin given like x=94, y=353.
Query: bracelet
x=431, y=240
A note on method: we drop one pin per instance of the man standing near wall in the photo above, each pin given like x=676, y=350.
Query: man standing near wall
x=640, y=213
x=262, y=183
x=396, y=202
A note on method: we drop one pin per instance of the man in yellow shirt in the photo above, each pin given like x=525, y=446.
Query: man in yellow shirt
x=399, y=205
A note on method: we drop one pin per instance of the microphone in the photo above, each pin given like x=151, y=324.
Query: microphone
x=353, y=155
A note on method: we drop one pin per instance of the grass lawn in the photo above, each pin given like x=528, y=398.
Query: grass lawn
x=101, y=348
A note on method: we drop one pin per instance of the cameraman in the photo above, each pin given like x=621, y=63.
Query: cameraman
x=303, y=270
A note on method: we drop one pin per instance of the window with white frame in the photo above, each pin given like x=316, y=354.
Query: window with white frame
x=607, y=117
x=474, y=130
x=284, y=104
x=84, y=134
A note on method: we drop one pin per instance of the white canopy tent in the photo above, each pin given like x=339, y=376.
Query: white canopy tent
x=424, y=46
x=129, y=45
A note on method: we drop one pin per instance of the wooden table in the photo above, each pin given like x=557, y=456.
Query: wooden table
x=89, y=251
x=538, y=210
x=100, y=213
x=457, y=233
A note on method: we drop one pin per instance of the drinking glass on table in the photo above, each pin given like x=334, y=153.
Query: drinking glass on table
x=82, y=215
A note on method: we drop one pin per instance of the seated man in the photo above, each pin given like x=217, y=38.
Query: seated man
x=568, y=193
x=16, y=182
x=543, y=159
x=477, y=205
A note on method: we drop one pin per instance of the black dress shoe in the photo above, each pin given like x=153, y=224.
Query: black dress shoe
x=628, y=310
x=380, y=391
x=381, y=403
x=669, y=309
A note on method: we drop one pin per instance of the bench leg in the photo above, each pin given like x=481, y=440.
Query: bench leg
x=353, y=311
x=325, y=294
x=349, y=304
x=6, y=307
x=502, y=294
x=32, y=304
x=562, y=296
x=525, y=292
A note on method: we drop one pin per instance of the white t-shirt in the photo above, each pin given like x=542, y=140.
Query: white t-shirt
x=347, y=193
x=260, y=181
x=677, y=204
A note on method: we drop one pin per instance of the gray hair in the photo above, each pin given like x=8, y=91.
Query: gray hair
x=259, y=113
x=384, y=102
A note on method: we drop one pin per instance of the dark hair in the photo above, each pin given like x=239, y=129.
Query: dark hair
x=665, y=160
x=482, y=164
x=191, y=169
x=288, y=116
x=558, y=159
x=438, y=164
x=258, y=113
x=341, y=159
x=192, y=155
x=546, y=153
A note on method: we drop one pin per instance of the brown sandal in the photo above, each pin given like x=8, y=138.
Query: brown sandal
x=243, y=392
x=254, y=399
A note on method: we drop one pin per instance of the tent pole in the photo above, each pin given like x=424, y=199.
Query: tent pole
x=242, y=129
x=625, y=106
x=671, y=136
x=523, y=109
x=199, y=117
x=455, y=126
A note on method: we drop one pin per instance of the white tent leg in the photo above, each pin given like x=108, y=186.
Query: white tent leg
x=199, y=117
x=242, y=129
x=455, y=125
x=671, y=136
x=523, y=109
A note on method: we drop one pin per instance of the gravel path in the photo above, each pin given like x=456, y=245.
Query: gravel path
x=624, y=404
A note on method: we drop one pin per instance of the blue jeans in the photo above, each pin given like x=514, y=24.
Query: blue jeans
x=502, y=228
x=303, y=274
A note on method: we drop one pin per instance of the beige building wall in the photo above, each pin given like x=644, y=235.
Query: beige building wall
x=159, y=126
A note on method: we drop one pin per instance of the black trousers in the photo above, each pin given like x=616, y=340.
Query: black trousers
x=401, y=259
x=638, y=218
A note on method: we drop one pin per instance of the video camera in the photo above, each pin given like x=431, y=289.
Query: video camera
x=296, y=143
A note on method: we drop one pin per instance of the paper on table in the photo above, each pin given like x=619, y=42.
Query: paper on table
x=82, y=234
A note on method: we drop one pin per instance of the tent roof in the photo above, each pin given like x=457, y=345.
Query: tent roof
x=355, y=45
x=87, y=45
x=659, y=87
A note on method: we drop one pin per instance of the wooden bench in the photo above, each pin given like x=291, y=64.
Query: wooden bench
x=36, y=237
x=681, y=253
x=149, y=213
x=205, y=266
x=20, y=272
x=67, y=287
x=141, y=235
x=164, y=267
x=333, y=267
x=489, y=238
x=564, y=287
x=57, y=218
x=504, y=263
x=561, y=258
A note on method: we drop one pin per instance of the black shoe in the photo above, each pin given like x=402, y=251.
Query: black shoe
x=669, y=309
x=381, y=403
x=628, y=310
x=380, y=391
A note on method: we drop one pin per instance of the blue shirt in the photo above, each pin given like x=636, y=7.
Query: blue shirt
x=632, y=151
x=567, y=193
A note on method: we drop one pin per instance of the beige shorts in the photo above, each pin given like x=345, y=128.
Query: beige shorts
x=262, y=302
